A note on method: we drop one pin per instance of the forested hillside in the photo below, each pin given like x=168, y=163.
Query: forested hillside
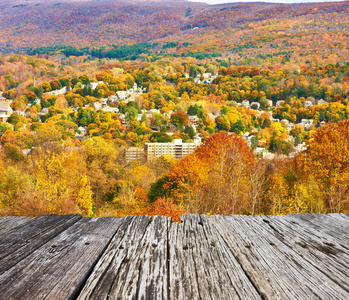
x=250, y=31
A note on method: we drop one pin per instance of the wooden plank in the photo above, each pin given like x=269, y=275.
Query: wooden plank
x=323, y=224
x=144, y=276
x=58, y=269
x=183, y=280
x=275, y=269
x=153, y=261
x=343, y=219
x=120, y=272
x=19, y=242
x=201, y=264
x=320, y=249
x=7, y=223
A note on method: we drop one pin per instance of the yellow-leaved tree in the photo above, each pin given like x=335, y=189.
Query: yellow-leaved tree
x=326, y=163
x=61, y=185
x=84, y=199
x=51, y=185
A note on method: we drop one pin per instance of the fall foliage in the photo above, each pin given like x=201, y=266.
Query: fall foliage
x=266, y=92
x=221, y=176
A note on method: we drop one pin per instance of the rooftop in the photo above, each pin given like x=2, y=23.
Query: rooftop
x=5, y=107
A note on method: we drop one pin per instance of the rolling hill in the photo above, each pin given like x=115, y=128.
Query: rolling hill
x=320, y=28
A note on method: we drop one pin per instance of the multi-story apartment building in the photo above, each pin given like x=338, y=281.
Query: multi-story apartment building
x=176, y=149
x=134, y=153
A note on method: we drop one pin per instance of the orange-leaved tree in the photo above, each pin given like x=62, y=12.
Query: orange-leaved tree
x=166, y=207
x=327, y=162
x=228, y=160
x=215, y=178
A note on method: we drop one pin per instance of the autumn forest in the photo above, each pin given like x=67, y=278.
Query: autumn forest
x=258, y=91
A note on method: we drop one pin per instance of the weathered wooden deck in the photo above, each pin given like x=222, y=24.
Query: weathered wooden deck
x=219, y=257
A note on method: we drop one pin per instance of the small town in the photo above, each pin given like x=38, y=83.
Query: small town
x=124, y=98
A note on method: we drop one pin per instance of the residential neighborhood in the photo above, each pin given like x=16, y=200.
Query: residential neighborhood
x=122, y=98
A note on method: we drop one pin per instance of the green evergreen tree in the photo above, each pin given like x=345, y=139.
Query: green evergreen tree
x=254, y=141
x=298, y=139
x=239, y=127
x=189, y=130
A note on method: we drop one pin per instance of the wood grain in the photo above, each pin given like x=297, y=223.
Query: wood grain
x=338, y=230
x=18, y=243
x=58, y=269
x=319, y=249
x=202, y=265
x=117, y=274
x=276, y=270
x=303, y=256
x=7, y=223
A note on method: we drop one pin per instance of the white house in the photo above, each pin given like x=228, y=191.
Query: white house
x=62, y=91
x=193, y=119
x=113, y=98
x=300, y=148
x=44, y=111
x=269, y=103
x=268, y=155
x=278, y=103
x=94, y=84
x=37, y=101
x=307, y=123
x=82, y=131
x=210, y=115
x=5, y=112
x=285, y=122
x=97, y=105
x=122, y=95
x=308, y=104
x=19, y=112
x=2, y=98
x=255, y=104
x=245, y=103
x=290, y=126
x=197, y=140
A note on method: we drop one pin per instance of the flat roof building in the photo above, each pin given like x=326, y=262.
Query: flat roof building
x=176, y=149
x=134, y=153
